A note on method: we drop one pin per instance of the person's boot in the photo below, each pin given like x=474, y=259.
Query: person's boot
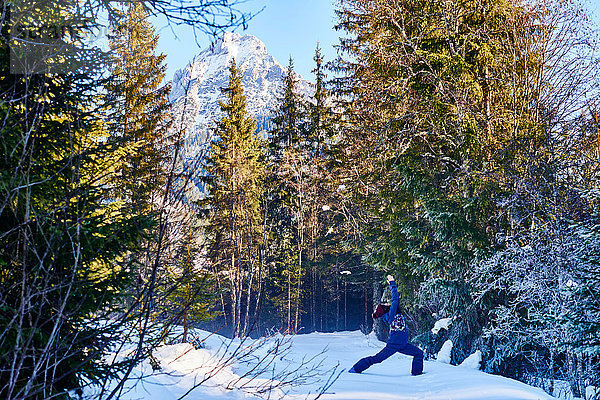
x=417, y=366
x=352, y=371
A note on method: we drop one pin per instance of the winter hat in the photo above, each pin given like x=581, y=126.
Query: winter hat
x=380, y=310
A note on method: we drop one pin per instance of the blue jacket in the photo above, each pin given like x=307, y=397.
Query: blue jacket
x=398, y=332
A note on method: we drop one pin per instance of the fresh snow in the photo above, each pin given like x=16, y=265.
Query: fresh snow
x=473, y=361
x=444, y=355
x=316, y=357
x=443, y=323
x=592, y=392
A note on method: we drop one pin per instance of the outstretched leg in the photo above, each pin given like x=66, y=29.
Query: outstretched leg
x=366, y=362
x=417, y=353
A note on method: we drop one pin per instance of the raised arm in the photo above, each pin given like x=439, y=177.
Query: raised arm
x=395, y=298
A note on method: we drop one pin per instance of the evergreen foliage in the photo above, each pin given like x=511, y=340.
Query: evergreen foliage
x=456, y=148
x=452, y=160
x=289, y=117
x=321, y=124
x=425, y=105
x=139, y=105
x=236, y=170
x=79, y=165
x=287, y=159
x=435, y=96
x=582, y=318
x=138, y=119
x=63, y=240
x=187, y=287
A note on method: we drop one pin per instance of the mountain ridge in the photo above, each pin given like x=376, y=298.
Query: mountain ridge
x=196, y=88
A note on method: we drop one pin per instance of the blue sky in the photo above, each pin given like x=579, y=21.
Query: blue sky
x=594, y=7
x=287, y=27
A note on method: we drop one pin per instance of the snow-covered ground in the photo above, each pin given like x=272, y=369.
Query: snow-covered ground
x=314, y=361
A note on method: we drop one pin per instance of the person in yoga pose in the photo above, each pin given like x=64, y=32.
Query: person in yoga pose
x=398, y=341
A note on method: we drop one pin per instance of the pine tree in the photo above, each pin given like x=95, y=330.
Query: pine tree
x=187, y=286
x=290, y=152
x=325, y=200
x=289, y=117
x=140, y=107
x=138, y=122
x=435, y=134
x=63, y=236
x=236, y=172
x=321, y=123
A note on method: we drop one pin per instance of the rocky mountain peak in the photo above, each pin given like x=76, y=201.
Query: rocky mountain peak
x=232, y=42
x=196, y=89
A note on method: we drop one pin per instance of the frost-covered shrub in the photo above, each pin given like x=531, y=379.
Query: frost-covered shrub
x=522, y=294
x=439, y=299
x=581, y=317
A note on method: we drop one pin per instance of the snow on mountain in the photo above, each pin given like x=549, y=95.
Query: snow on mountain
x=196, y=89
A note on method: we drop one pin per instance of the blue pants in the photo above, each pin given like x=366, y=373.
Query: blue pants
x=390, y=349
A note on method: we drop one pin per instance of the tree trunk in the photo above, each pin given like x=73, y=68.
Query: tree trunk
x=313, y=302
x=222, y=299
x=366, y=321
x=324, y=311
x=185, y=326
x=314, y=266
x=337, y=296
x=239, y=288
x=289, y=305
x=345, y=305
x=248, y=297
x=259, y=289
x=296, y=318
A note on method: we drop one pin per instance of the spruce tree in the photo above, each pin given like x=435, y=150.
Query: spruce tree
x=325, y=198
x=321, y=124
x=139, y=101
x=235, y=185
x=138, y=121
x=433, y=124
x=289, y=117
x=63, y=236
x=289, y=159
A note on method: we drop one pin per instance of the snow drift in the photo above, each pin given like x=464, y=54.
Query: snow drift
x=314, y=361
